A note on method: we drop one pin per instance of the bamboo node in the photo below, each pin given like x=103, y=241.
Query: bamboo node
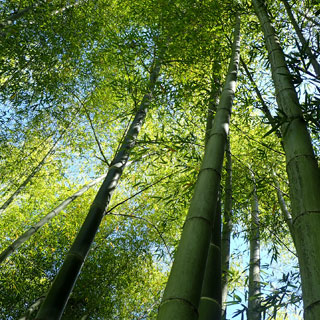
x=76, y=255
x=288, y=88
x=298, y=156
x=198, y=217
x=224, y=108
x=224, y=134
x=215, y=246
x=212, y=169
x=294, y=220
x=277, y=48
x=311, y=305
x=211, y=300
x=184, y=301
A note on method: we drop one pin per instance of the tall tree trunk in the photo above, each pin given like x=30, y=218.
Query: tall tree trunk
x=210, y=301
x=302, y=168
x=226, y=232
x=214, y=101
x=182, y=294
x=304, y=42
x=254, y=267
x=57, y=297
x=27, y=235
x=29, y=178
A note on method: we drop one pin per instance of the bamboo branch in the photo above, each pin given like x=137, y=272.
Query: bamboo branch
x=264, y=106
x=257, y=141
x=31, y=231
x=96, y=137
x=149, y=222
x=137, y=193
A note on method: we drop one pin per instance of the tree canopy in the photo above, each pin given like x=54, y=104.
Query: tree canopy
x=75, y=77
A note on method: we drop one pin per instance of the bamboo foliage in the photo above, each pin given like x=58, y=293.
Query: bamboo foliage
x=58, y=54
x=26, y=236
x=27, y=180
x=304, y=43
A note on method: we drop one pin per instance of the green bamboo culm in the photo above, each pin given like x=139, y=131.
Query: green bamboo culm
x=211, y=295
x=254, y=285
x=182, y=294
x=210, y=301
x=226, y=231
x=57, y=297
x=302, y=168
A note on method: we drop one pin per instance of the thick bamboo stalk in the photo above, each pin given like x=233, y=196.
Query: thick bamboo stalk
x=213, y=102
x=58, y=295
x=182, y=294
x=302, y=169
x=226, y=232
x=254, y=312
x=210, y=301
x=30, y=232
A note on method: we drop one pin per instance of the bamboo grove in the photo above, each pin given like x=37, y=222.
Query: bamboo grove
x=160, y=159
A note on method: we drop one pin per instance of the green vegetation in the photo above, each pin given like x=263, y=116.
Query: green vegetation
x=139, y=137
